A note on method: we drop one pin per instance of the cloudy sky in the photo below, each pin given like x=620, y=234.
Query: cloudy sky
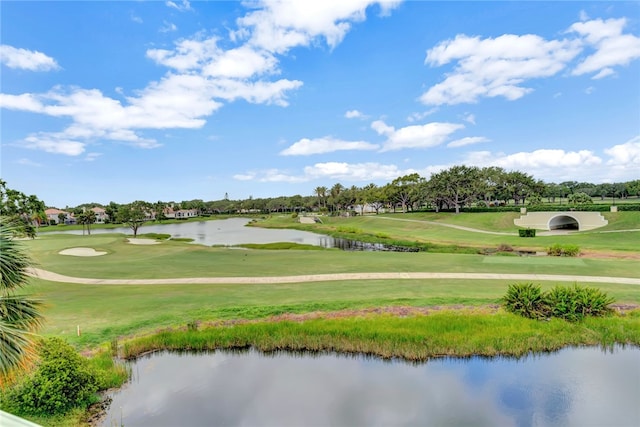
x=178, y=100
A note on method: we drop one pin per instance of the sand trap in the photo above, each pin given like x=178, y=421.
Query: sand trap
x=143, y=241
x=82, y=252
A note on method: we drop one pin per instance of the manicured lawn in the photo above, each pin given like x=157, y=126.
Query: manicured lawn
x=178, y=259
x=414, y=227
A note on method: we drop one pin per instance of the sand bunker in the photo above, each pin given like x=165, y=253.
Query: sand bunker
x=82, y=252
x=137, y=241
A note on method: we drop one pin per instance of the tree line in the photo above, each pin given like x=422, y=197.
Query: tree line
x=453, y=189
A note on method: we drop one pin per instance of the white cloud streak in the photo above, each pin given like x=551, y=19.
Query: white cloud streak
x=469, y=140
x=24, y=59
x=416, y=136
x=306, y=146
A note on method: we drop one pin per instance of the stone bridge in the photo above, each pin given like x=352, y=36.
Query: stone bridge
x=569, y=220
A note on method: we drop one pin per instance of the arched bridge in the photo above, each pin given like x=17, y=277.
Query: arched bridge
x=570, y=220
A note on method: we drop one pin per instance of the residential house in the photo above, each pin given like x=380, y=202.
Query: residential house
x=186, y=213
x=53, y=216
x=101, y=215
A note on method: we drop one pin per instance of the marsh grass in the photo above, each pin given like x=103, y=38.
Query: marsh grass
x=447, y=333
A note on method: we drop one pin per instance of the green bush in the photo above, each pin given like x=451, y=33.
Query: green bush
x=528, y=232
x=569, y=303
x=563, y=250
x=62, y=381
x=525, y=299
x=577, y=302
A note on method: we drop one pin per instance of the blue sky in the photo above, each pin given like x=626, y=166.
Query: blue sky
x=178, y=100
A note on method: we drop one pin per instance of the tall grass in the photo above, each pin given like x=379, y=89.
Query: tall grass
x=447, y=333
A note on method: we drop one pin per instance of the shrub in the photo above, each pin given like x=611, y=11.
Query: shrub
x=525, y=299
x=568, y=303
x=528, y=232
x=577, y=302
x=563, y=250
x=294, y=215
x=62, y=380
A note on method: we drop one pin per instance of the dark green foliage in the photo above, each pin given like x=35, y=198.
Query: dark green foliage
x=577, y=302
x=569, y=303
x=525, y=299
x=62, y=381
x=563, y=250
x=528, y=232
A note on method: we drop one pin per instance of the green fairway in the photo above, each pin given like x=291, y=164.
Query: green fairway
x=104, y=312
x=432, y=228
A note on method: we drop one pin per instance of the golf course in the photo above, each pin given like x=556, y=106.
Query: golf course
x=134, y=290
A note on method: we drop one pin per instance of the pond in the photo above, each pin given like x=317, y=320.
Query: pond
x=233, y=231
x=227, y=232
x=575, y=386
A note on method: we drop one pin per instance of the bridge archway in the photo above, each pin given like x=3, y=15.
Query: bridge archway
x=564, y=222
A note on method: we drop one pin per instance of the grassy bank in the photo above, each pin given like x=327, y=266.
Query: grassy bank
x=447, y=333
x=431, y=228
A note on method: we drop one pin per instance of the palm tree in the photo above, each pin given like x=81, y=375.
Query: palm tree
x=19, y=315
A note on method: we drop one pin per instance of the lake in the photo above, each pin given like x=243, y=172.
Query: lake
x=572, y=387
x=233, y=231
x=227, y=232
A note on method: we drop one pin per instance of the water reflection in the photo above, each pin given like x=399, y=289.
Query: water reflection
x=233, y=231
x=579, y=387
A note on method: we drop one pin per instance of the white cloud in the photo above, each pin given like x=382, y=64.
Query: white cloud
x=494, y=67
x=244, y=177
x=90, y=157
x=306, y=146
x=346, y=172
x=182, y=7
x=625, y=155
x=202, y=77
x=24, y=59
x=589, y=90
x=583, y=15
x=279, y=25
x=469, y=140
x=354, y=171
x=417, y=136
x=416, y=117
x=469, y=118
x=612, y=47
x=354, y=114
x=27, y=162
x=54, y=145
x=136, y=19
x=168, y=27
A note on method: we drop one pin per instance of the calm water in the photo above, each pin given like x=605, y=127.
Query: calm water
x=230, y=231
x=573, y=387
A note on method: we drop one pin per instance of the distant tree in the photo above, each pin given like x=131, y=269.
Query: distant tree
x=62, y=217
x=134, y=215
x=456, y=186
x=578, y=199
x=87, y=218
x=405, y=190
x=321, y=193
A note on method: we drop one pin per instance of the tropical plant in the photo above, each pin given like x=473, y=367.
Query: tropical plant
x=19, y=315
x=525, y=299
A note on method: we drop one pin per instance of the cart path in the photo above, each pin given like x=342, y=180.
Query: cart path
x=55, y=277
x=499, y=233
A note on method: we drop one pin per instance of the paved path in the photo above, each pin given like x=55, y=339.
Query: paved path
x=477, y=230
x=54, y=277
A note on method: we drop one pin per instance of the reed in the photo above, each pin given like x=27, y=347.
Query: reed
x=447, y=333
